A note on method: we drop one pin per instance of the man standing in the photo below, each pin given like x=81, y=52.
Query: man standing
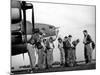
x=87, y=49
x=50, y=47
x=62, y=53
x=65, y=49
x=32, y=47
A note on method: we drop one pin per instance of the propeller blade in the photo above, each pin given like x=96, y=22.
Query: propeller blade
x=23, y=56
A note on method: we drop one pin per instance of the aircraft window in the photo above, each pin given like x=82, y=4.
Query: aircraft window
x=43, y=28
x=12, y=67
x=50, y=27
x=16, y=33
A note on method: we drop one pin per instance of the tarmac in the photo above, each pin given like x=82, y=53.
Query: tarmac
x=90, y=66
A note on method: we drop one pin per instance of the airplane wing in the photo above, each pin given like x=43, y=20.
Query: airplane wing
x=48, y=30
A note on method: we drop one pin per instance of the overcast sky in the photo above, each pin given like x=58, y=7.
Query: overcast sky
x=72, y=19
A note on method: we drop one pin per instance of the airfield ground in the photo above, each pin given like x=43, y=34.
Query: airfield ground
x=58, y=69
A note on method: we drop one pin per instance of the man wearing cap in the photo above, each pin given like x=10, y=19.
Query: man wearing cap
x=62, y=53
x=65, y=48
x=69, y=59
x=33, y=46
x=87, y=49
